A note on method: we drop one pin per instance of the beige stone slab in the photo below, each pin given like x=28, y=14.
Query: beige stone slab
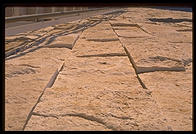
x=97, y=88
x=66, y=41
x=170, y=33
x=95, y=41
x=154, y=52
x=25, y=79
x=140, y=13
x=103, y=26
x=132, y=33
x=83, y=47
x=173, y=92
x=169, y=44
x=104, y=90
x=165, y=29
x=100, y=31
x=163, y=44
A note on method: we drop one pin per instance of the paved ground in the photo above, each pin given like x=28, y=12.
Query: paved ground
x=129, y=70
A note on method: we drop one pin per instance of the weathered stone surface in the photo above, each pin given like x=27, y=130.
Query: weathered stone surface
x=168, y=47
x=70, y=123
x=25, y=78
x=66, y=41
x=105, y=41
x=100, y=31
x=97, y=88
x=102, y=90
x=173, y=92
x=164, y=48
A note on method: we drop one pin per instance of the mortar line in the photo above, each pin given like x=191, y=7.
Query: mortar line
x=50, y=83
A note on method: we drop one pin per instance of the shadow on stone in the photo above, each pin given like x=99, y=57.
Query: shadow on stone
x=169, y=20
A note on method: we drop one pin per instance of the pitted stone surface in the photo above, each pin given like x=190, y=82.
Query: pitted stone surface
x=98, y=88
x=173, y=92
x=102, y=90
x=25, y=78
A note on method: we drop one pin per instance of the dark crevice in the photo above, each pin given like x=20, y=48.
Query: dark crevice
x=141, y=82
x=162, y=58
x=29, y=65
x=104, y=55
x=185, y=30
x=187, y=61
x=44, y=115
x=156, y=68
x=169, y=20
x=121, y=117
x=124, y=25
x=131, y=37
x=103, y=40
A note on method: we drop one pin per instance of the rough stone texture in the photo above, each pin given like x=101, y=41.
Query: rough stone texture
x=25, y=78
x=173, y=92
x=66, y=41
x=105, y=32
x=170, y=45
x=100, y=46
x=97, y=88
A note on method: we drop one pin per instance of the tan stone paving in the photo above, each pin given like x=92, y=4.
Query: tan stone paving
x=98, y=88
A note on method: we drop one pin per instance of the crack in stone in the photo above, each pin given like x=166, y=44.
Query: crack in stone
x=130, y=25
x=135, y=68
x=103, y=40
x=130, y=58
x=44, y=115
x=131, y=37
x=170, y=20
x=186, y=62
x=91, y=118
x=122, y=117
x=156, y=68
x=81, y=115
x=185, y=30
x=21, y=72
x=50, y=83
x=124, y=25
x=29, y=65
x=162, y=58
x=104, y=55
